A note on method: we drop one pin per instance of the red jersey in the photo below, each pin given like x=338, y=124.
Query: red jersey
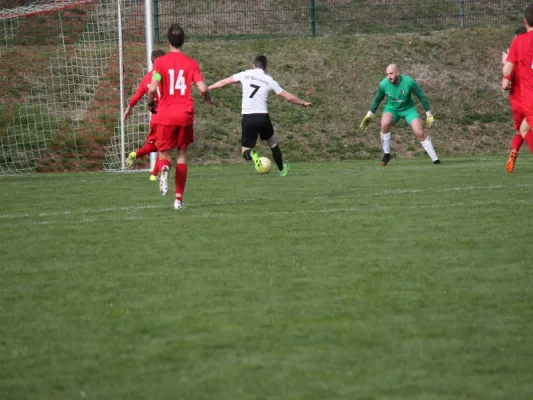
x=177, y=73
x=521, y=55
x=141, y=91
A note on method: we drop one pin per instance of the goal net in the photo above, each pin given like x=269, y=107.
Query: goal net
x=65, y=80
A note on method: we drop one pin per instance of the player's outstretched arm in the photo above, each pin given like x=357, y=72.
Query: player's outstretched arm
x=152, y=91
x=204, y=91
x=504, y=56
x=508, y=68
x=294, y=99
x=418, y=92
x=506, y=83
x=376, y=101
x=127, y=113
x=222, y=83
x=139, y=93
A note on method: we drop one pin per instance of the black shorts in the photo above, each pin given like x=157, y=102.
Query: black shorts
x=253, y=126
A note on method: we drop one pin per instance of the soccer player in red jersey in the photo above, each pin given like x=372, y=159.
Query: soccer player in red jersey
x=149, y=145
x=520, y=62
x=512, y=84
x=174, y=74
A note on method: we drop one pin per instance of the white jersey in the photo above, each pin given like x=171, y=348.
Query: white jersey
x=256, y=85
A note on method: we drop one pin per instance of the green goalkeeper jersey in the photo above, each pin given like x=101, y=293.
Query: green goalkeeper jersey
x=399, y=95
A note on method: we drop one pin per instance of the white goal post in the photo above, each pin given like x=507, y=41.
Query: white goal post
x=68, y=69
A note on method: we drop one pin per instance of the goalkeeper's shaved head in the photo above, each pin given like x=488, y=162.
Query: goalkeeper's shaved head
x=392, y=72
x=393, y=68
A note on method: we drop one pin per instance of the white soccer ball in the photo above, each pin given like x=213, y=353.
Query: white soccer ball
x=267, y=165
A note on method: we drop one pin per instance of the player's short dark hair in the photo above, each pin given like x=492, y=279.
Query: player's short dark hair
x=260, y=61
x=156, y=54
x=520, y=30
x=528, y=14
x=176, y=35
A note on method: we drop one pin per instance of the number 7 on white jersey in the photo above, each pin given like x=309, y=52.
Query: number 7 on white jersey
x=177, y=84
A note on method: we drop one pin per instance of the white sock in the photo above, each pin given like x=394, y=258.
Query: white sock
x=428, y=146
x=385, y=142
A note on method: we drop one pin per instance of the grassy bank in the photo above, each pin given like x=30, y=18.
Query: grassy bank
x=459, y=70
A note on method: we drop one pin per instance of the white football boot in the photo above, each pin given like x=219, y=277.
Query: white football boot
x=163, y=181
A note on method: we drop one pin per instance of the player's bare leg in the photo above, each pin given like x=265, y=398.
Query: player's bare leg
x=425, y=141
x=387, y=120
x=527, y=134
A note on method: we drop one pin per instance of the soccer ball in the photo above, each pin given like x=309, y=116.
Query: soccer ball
x=267, y=165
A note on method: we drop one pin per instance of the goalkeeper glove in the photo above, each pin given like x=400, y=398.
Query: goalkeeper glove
x=366, y=120
x=152, y=107
x=430, y=119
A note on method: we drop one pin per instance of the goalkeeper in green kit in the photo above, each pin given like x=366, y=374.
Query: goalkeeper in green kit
x=398, y=89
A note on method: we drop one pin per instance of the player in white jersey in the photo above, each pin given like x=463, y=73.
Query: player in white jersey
x=256, y=85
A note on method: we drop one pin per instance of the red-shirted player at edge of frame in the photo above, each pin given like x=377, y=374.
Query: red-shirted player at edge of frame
x=519, y=65
x=512, y=84
x=149, y=145
x=174, y=74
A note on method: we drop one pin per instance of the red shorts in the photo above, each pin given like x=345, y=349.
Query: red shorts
x=152, y=135
x=518, y=113
x=169, y=137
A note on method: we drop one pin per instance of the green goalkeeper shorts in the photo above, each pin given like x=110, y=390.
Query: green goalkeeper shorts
x=409, y=115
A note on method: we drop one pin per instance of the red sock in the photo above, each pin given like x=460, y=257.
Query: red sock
x=155, y=171
x=517, y=142
x=529, y=140
x=146, y=149
x=161, y=163
x=180, y=179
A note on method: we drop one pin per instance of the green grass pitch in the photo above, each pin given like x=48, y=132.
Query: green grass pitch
x=341, y=281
